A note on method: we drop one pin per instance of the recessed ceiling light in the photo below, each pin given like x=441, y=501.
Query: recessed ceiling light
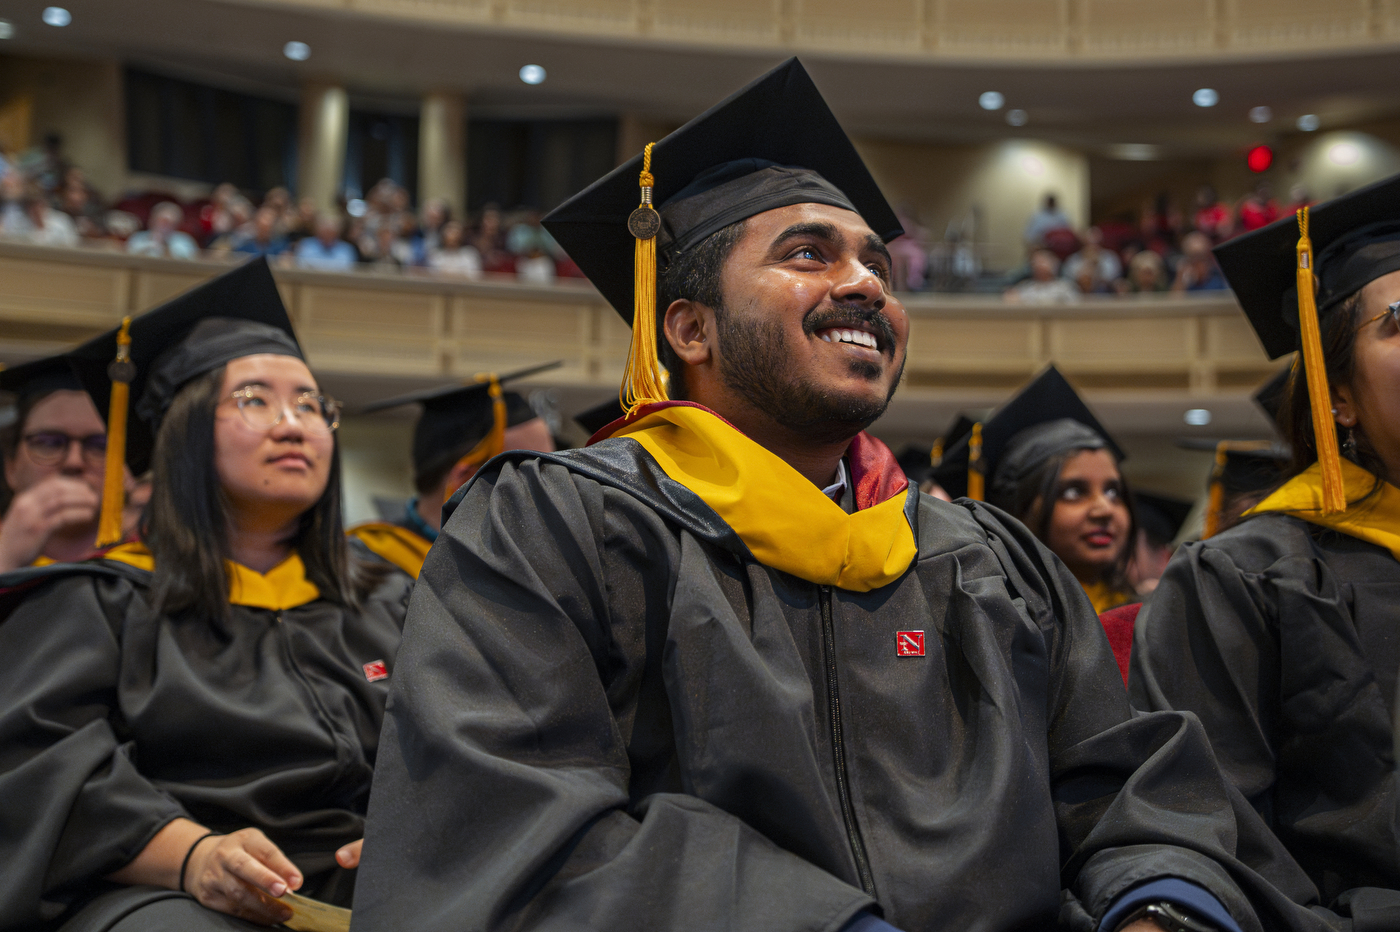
x=7, y=29
x=1309, y=122
x=297, y=51
x=1197, y=417
x=1205, y=97
x=1033, y=165
x=532, y=74
x=1017, y=117
x=1344, y=153
x=1135, y=151
x=991, y=100
x=1261, y=114
x=57, y=16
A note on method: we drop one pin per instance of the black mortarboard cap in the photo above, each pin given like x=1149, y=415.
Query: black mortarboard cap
x=239, y=313
x=457, y=417
x=1248, y=465
x=915, y=461
x=772, y=144
x=1356, y=239
x=39, y=377
x=599, y=416
x=1161, y=516
x=1044, y=418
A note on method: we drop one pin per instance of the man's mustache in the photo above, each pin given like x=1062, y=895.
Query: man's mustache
x=839, y=314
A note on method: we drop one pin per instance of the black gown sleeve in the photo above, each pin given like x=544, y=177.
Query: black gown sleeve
x=501, y=795
x=72, y=804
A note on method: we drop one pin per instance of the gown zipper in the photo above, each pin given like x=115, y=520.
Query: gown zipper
x=838, y=748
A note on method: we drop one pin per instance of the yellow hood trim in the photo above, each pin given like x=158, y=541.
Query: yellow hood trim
x=282, y=587
x=398, y=545
x=1374, y=520
x=784, y=519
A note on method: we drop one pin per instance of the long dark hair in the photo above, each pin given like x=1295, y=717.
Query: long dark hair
x=185, y=524
x=1339, y=329
x=1033, y=504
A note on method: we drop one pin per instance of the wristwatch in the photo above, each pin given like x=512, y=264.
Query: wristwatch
x=1169, y=917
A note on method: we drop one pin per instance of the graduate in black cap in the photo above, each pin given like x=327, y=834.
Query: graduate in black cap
x=54, y=452
x=1280, y=632
x=1160, y=518
x=191, y=722
x=724, y=668
x=460, y=428
x=1047, y=460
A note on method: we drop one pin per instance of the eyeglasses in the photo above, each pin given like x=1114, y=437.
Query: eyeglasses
x=262, y=409
x=1392, y=311
x=50, y=447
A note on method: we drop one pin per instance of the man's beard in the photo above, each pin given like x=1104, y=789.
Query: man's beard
x=755, y=361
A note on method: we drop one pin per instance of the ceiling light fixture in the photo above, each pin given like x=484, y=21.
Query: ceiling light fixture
x=1309, y=122
x=57, y=16
x=1205, y=97
x=1135, y=151
x=1033, y=165
x=7, y=29
x=1197, y=417
x=991, y=100
x=532, y=74
x=1344, y=153
x=1261, y=114
x=1017, y=117
x=297, y=51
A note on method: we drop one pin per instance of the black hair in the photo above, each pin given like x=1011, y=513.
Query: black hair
x=431, y=477
x=1033, y=504
x=10, y=438
x=694, y=275
x=1339, y=329
x=185, y=524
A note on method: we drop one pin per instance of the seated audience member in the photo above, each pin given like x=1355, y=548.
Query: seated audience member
x=54, y=457
x=1103, y=264
x=453, y=257
x=163, y=236
x=82, y=205
x=1280, y=631
x=1048, y=218
x=264, y=239
x=1257, y=209
x=48, y=226
x=14, y=219
x=194, y=727
x=460, y=428
x=433, y=215
x=326, y=250
x=536, y=269
x=300, y=222
x=1147, y=274
x=1197, y=270
x=1160, y=519
x=1047, y=461
x=389, y=252
x=214, y=219
x=1212, y=218
x=726, y=669
x=490, y=243
x=1044, y=286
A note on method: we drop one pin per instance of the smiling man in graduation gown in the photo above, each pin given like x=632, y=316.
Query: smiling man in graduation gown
x=725, y=669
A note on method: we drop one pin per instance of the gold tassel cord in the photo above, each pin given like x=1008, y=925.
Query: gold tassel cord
x=1216, y=504
x=1334, y=500
x=935, y=456
x=642, y=380
x=121, y=372
x=494, y=442
x=976, y=481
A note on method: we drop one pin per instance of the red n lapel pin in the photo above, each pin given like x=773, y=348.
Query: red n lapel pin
x=909, y=643
x=375, y=670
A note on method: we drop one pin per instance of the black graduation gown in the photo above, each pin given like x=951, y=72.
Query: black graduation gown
x=1284, y=638
x=607, y=716
x=115, y=720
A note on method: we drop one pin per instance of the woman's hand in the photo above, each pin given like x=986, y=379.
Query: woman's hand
x=241, y=874
x=349, y=856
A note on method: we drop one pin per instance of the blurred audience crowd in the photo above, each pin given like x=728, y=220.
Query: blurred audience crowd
x=47, y=201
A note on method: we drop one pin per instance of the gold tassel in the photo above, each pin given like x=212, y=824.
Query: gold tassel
x=1216, y=503
x=976, y=482
x=121, y=372
x=643, y=382
x=1334, y=499
x=935, y=456
x=494, y=443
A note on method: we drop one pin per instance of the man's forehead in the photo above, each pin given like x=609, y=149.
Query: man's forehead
x=811, y=217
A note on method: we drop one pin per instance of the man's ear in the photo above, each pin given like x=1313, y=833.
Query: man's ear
x=457, y=477
x=689, y=328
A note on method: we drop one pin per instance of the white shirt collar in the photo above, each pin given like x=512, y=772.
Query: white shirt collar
x=837, y=488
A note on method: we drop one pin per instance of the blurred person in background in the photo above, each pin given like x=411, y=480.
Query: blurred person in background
x=46, y=165
x=1103, y=264
x=14, y=219
x=1044, y=286
x=1197, y=270
x=54, y=458
x=452, y=256
x=1212, y=218
x=326, y=250
x=1257, y=209
x=910, y=253
x=280, y=200
x=1147, y=274
x=434, y=213
x=264, y=239
x=301, y=221
x=164, y=237
x=215, y=220
x=388, y=250
x=489, y=241
x=1159, y=226
x=1049, y=217
x=80, y=202
x=48, y=226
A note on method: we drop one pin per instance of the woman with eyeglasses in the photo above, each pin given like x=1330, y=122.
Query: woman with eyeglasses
x=189, y=726
x=1283, y=633
x=53, y=455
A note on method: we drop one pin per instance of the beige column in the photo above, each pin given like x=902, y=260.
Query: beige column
x=442, y=149
x=325, y=123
